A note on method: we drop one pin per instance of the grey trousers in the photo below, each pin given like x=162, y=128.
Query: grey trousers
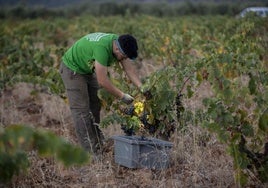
x=85, y=107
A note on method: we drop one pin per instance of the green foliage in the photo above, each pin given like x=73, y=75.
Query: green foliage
x=237, y=113
x=17, y=140
x=230, y=57
x=160, y=107
x=263, y=125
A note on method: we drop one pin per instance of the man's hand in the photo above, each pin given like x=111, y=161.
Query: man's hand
x=128, y=99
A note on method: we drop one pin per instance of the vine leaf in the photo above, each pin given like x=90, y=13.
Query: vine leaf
x=252, y=85
x=247, y=130
x=263, y=121
x=17, y=140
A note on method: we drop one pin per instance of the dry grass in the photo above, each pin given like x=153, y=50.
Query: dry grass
x=198, y=160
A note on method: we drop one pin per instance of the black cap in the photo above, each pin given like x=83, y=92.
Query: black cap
x=129, y=45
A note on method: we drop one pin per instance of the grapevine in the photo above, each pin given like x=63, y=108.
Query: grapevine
x=231, y=57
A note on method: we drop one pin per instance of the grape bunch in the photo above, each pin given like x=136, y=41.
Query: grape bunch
x=138, y=110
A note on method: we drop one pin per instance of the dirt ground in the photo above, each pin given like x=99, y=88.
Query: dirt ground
x=196, y=162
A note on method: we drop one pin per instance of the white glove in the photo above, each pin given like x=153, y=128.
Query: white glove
x=128, y=99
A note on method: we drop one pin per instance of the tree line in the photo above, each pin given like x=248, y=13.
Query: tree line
x=161, y=9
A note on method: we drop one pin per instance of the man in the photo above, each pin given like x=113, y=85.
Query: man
x=84, y=68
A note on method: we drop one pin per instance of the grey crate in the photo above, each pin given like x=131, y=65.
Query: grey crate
x=140, y=152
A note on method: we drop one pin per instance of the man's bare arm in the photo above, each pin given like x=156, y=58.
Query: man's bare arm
x=131, y=72
x=104, y=81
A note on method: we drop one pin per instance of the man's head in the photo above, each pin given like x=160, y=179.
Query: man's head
x=128, y=46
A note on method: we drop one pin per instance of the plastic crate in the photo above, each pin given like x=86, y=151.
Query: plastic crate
x=142, y=152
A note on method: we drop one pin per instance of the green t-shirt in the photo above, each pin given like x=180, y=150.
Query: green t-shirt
x=92, y=47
